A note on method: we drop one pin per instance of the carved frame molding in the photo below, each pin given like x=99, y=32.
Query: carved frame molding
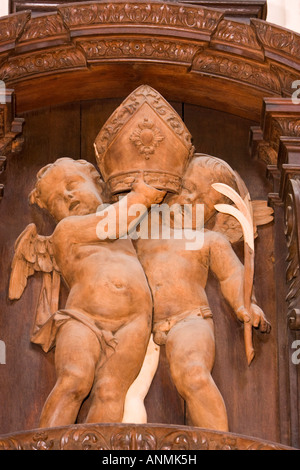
x=123, y=437
x=87, y=35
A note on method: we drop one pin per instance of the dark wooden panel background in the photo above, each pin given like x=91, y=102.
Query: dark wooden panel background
x=251, y=394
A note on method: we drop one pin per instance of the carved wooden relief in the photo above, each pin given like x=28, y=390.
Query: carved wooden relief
x=193, y=54
x=249, y=9
x=292, y=212
x=125, y=437
x=280, y=119
x=206, y=43
x=277, y=43
x=10, y=126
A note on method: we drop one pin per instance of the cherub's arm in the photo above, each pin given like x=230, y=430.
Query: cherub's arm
x=230, y=272
x=115, y=220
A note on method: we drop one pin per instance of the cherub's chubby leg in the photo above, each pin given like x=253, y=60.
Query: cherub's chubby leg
x=117, y=374
x=190, y=349
x=77, y=353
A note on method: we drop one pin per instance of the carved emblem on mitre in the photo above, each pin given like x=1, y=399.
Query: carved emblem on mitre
x=144, y=134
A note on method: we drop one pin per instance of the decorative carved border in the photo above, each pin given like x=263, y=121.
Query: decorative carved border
x=280, y=118
x=131, y=437
x=154, y=15
x=292, y=221
x=45, y=62
x=133, y=49
x=235, y=68
x=279, y=44
x=258, y=55
x=249, y=8
x=239, y=35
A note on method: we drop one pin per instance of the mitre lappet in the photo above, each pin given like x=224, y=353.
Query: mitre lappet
x=143, y=135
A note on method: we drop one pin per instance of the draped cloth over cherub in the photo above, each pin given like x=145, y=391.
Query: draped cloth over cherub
x=45, y=335
x=33, y=253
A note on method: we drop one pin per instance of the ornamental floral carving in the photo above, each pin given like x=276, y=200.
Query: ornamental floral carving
x=278, y=40
x=237, y=69
x=11, y=27
x=56, y=59
x=286, y=77
x=146, y=138
x=125, y=437
x=139, y=49
x=241, y=35
x=168, y=14
x=43, y=27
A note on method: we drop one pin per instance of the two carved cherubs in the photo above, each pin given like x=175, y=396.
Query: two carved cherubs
x=129, y=295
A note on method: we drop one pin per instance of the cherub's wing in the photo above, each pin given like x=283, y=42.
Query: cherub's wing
x=33, y=253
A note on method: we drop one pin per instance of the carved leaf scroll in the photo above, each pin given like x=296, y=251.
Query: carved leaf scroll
x=42, y=62
x=292, y=211
x=250, y=72
x=156, y=14
x=126, y=437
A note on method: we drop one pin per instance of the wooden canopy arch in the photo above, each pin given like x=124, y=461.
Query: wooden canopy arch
x=104, y=49
x=190, y=54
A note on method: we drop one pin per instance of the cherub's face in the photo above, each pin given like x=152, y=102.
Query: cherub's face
x=196, y=190
x=67, y=190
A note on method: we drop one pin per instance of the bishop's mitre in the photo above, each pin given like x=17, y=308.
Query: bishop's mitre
x=144, y=134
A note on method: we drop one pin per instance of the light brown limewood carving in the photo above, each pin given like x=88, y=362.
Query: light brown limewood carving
x=139, y=282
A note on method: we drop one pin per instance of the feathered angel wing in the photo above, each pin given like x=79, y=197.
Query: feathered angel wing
x=33, y=253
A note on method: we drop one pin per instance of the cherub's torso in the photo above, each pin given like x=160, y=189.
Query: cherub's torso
x=106, y=280
x=177, y=276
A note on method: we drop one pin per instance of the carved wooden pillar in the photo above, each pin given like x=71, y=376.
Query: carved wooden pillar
x=11, y=127
x=289, y=162
x=277, y=143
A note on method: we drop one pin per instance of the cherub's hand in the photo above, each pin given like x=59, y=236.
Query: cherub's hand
x=152, y=195
x=259, y=320
x=256, y=316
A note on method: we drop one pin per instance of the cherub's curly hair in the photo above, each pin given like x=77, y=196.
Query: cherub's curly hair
x=34, y=196
x=219, y=170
